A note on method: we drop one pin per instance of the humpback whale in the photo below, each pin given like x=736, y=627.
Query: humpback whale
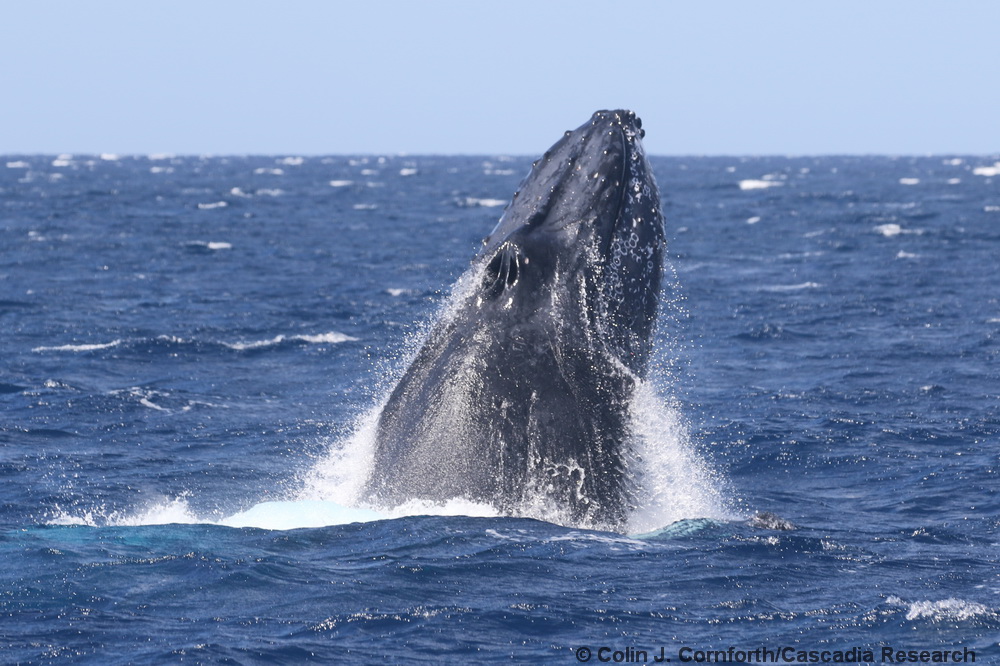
x=519, y=396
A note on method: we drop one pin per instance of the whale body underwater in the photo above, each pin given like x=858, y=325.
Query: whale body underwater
x=519, y=397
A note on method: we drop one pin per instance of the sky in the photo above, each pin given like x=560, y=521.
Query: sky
x=309, y=77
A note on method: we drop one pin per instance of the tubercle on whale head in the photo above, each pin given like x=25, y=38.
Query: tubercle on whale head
x=577, y=184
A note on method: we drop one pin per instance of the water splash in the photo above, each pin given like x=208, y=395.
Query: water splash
x=674, y=482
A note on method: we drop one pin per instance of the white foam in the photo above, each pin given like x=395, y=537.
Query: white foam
x=290, y=515
x=753, y=220
x=946, y=610
x=109, y=157
x=61, y=163
x=364, y=206
x=238, y=192
x=889, y=230
x=954, y=181
x=270, y=192
x=751, y=184
x=212, y=206
x=18, y=164
x=792, y=287
x=270, y=515
x=291, y=161
x=909, y=181
x=341, y=183
x=161, y=169
x=394, y=291
x=991, y=209
x=906, y=255
x=79, y=348
x=323, y=338
x=260, y=171
x=211, y=245
x=168, y=512
x=408, y=171
x=988, y=171
x=485, y=203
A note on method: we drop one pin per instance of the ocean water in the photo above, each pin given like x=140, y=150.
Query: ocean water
x=193, y=350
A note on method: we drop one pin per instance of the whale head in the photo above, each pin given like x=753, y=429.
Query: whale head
x=520, y=394
x=583, y=234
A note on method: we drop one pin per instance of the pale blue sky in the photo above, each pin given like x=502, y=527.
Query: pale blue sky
x=730, y=77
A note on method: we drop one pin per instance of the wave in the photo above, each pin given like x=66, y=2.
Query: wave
x=946, y=610
x=172, y=342
x=752, y=184
x=322, y=338
x=78, y=347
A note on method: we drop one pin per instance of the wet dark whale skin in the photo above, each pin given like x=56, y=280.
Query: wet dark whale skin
x=519, y=397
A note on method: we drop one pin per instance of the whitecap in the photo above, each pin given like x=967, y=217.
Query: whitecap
x=753, y=220
x=485, y=203
x=364, y=206
x=792, y=287
x=407, y=171
x=291, y=161
x=270, y=192
x=751, y=184
x=211, y=245
x=987, y=170
x=889, y=230
x=991, y=209
x=61, y=163
x=945, y=610
x=109, y=157
x=161, y=169
x=909, y=181
x=79, y=348
x=906, y=255
x=395, y=291
x=269, y=172
x=146, y=402
x=333, y=337
x=18, y=164
x=954, y=181
x=238, y=192
x=341, y=183
x=212, y=206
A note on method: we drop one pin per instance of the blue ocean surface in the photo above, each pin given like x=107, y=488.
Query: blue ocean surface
x=193, y=351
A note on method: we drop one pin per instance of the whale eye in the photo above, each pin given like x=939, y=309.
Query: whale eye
x=502, y=271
